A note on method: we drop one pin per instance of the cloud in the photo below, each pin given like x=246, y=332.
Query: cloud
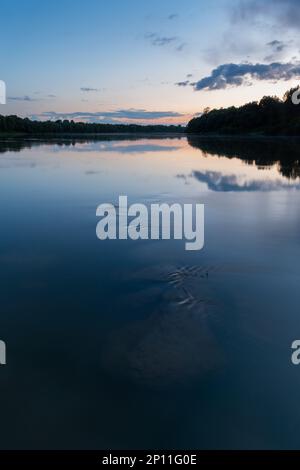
x=218, y=182
x=139, y=148
x=181, y=46
x=111, y=116
x=161, y=41
x=120, y=147
x=276, y=45
x=88, y=89
x=29, y=98
x=184, y=83
x=21, y=98
x=285, y=13
x=157, y=40
x=234, y=75
x=277, y=48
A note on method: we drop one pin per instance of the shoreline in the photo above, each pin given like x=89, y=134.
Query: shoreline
x=145, y=135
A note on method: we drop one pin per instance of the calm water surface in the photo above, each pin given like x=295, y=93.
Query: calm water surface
x=123, y=344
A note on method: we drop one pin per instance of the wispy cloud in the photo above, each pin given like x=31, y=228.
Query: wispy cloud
x=161, y=41
x=158, y=40
x=276, y=45
x=184, y=83
x=277, y=49
x=88, y=89
x=285, y=13
x=111, y=116
x=181, y=46
x=173, y=16
x=21, y=98
x=30, y=99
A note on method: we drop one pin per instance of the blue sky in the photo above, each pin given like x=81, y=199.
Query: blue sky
x=135, y=61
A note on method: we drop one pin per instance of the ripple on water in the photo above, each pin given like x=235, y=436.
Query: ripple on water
x=175, y=342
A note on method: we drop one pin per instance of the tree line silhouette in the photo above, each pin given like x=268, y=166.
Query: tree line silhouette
x=270, y=116
x=16, y=124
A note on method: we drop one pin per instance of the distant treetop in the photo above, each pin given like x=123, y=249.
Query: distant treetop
x=269, y=116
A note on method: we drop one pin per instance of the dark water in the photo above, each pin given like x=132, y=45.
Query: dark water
x=141, y=344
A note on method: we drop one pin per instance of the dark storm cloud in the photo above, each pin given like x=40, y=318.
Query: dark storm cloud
x=232, y=75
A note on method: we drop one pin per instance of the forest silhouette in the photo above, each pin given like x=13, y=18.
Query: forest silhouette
x=270, y=116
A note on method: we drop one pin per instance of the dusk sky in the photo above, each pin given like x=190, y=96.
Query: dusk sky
x=145, y=62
